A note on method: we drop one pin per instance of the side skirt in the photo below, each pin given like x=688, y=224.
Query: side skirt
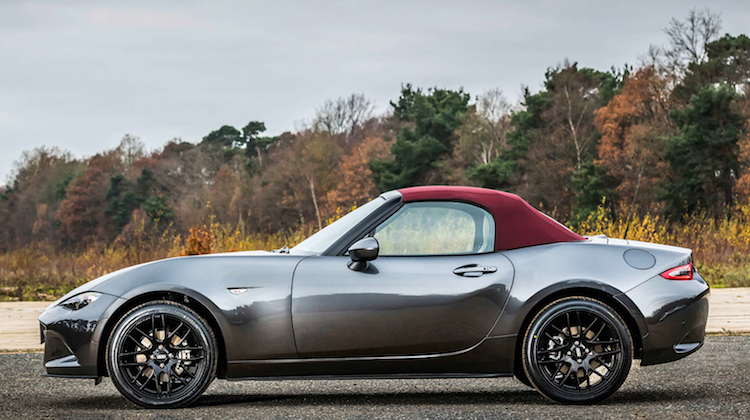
x=492, y=357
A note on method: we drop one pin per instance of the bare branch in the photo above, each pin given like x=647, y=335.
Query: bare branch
x=344, y=115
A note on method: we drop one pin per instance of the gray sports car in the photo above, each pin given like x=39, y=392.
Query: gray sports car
x=423, y=282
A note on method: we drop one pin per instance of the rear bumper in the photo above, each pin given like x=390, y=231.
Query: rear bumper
x=69, y=337
x=675, y=313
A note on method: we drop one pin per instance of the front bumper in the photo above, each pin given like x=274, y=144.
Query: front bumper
x=71, y=338
x=675, y=313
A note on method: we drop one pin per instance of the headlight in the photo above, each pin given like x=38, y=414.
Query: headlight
x=79, y=301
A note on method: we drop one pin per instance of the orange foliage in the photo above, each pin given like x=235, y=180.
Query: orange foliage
x=81, y=213
x=199, y=241
x=356, y=185
x=633, y=126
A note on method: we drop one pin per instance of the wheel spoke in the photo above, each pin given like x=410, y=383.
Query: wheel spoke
x=591, y=325
x=552, y=350
x=190, y=348
x=190, y=359
x=137, y=375
x=183, y=338
x=607, y=342
x=578, y=317
x=557, y=329
x=138, y=343
x=597, y=372
x=565, y=378
x=143, y=334
x=190, y=374
x=609, y=368
x=609, y=353
x=133, y=364
x=169, y=337
x=164, y=326
x=598, y=333
x=143, y=385
x=559, y=368
x=179, y=378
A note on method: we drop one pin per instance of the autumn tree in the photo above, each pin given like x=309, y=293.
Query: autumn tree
x=634, y=126
x=355, y=186
x=29, y=203
x=81, y=213
x=553, y=137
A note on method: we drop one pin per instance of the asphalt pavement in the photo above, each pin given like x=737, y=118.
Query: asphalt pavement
x=714, y=383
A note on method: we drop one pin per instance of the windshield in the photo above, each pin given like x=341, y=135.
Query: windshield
x=323, y=240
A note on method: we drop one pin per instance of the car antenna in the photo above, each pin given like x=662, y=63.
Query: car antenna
x=632, y=205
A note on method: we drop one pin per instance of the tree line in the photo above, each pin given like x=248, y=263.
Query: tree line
x=668, y=136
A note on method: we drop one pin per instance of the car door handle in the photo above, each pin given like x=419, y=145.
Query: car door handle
x=473, y=270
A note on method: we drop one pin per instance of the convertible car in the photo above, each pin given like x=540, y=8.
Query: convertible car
x=422, y=282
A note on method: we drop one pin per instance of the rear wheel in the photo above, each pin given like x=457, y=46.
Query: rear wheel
x=162, y=355
x=577, y=350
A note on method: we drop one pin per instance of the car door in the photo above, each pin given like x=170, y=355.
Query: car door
x=437, y=287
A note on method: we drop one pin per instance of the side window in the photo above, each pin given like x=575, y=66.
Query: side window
x=437, y=228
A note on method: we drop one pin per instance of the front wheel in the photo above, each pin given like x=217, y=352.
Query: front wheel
x=577, y=350
x=162, y=355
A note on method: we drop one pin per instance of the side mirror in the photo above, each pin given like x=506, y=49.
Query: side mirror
x=361, y=252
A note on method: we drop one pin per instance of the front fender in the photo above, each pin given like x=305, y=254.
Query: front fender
x=255, y=324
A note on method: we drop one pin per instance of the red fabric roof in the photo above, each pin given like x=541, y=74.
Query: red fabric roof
x=517, y=224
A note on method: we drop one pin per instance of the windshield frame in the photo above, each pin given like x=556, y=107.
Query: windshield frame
x=356, y=227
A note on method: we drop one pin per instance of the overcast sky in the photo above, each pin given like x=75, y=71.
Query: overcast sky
x=80, y=75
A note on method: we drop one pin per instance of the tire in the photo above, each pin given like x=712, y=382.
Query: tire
x=582, y=335
x=521, y=377
x=162, y=354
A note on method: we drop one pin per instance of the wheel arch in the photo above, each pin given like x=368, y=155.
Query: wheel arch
x=610, y=296
x=191, y=300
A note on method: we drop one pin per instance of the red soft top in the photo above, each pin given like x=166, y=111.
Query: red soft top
x=517, y=224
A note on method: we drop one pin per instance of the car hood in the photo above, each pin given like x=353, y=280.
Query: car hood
x=101, y=284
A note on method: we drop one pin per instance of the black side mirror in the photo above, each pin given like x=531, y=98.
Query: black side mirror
x=361, y=252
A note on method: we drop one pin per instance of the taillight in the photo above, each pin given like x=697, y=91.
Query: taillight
x=683, y=272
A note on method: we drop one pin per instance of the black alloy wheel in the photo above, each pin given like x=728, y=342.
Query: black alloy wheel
x=577, y=350
x=162, y=355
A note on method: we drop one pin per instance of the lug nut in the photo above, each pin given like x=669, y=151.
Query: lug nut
x=161, y=365
x=171, y=355
x=569, y=353
x=579, y=361
x=161, y=347
x=575, y=344
x=153, y=357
